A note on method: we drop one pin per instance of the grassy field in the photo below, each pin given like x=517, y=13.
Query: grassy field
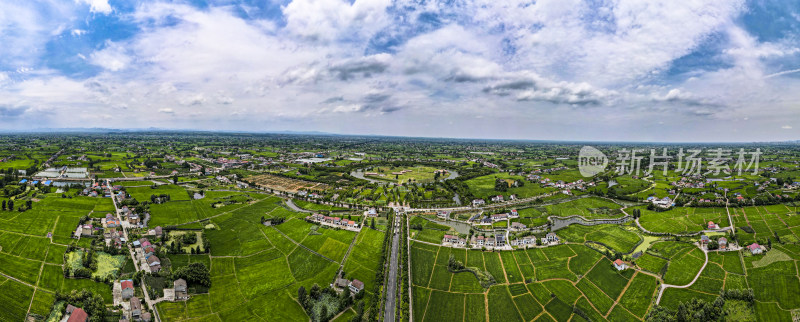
x=614, y=236
x=483, y=187
x=259, y=277
x=681, y=219
x=590, y=207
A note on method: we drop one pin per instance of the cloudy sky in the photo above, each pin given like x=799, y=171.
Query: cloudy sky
x=714, y=70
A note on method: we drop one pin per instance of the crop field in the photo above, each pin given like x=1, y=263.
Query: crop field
x=483, y=187
x=28, y=255
x=537, y=283
x=590, y=208
x=767, y=222
x=178, y=212
x=614, y=236
x=681, y=219
x=286, y=184
x=176, y=193
x=261, y=269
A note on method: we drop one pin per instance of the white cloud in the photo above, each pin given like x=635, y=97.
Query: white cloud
x=112, y=57
x=100, y=6
x=786, y=127
x=166, y=110
x=78, y=32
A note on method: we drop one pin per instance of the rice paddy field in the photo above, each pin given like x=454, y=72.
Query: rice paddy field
x=680, y=220
x=35, y=261
x=533, y=284
x=590, y=208
x=256, y=270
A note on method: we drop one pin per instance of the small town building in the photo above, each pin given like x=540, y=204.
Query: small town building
x=136, y=307
x=127, y=289
x=755, y=248
x=181, y=289
x=620, y=265
x=356, y=286
x=723, y=243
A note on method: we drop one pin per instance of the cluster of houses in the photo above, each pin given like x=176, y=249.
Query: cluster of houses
x=355, y=286
x=134, y=307
x=333, y=221
x=488, y=220
x=547, y=240
x=147, y=251
x=131, y=217
x=98, y=189
x=499, y=240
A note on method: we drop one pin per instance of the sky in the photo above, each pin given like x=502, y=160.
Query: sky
x=623, y=70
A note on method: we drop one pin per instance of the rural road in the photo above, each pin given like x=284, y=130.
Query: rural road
x=290, y=203
x=391, y=286
x=665, y=286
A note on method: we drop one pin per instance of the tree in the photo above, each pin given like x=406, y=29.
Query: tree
x=11, y=205
x=301, y=294
x=4, y=205
x=195, y=273
x=323, y=313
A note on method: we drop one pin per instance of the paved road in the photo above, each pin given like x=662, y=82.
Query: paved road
x=290, y=203
x=147, y=299
x=665, y=286
x=391, y=287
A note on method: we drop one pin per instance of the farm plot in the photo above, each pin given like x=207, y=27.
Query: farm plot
x=681, y=219
x=286, y=184
x=590, y=208
x=258, y=277
x=613, y=236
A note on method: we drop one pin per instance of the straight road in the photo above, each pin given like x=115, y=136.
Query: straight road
x=147, y=299
x=391, y=286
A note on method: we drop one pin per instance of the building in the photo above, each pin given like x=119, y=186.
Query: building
x=478, y=202
x=620, y=265
x=518, y=226
x=450, y=239
x=77, y=315
x=704, y=240
x=497, y=198
x=371, y=212
x=111, y=221
x=181, y=289
x=356, y=286
x=499, y=217
x=513, y=214
x=723, y=243
x=136, y=307
x=755, y=248
x=127, y=289
x=154, y=263
x=442, y=214
x=500, y=240
x=341, y=283
x=712, y=225
x=478, y=240
x=146, y=316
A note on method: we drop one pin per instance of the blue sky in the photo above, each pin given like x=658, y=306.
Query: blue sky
x=716, y=70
